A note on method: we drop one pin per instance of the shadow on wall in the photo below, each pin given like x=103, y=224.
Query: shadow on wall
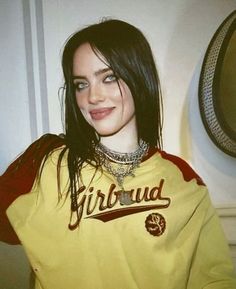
x=183, y=63
x=195, y=24
x=15, y=272
x=192, y=26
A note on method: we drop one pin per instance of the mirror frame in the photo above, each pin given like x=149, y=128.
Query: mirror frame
x=219, y=132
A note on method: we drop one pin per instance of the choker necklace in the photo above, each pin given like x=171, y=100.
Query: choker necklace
x=124, y=165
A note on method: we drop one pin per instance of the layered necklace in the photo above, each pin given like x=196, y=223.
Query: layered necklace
x=121, y=165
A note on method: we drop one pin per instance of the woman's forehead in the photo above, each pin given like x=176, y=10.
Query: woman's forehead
x=86, y=60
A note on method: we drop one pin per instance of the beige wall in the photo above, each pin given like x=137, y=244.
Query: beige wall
x=179, y=32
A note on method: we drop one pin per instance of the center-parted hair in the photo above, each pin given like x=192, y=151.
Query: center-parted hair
x=127, y=52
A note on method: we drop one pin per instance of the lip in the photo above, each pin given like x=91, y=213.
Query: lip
x=100, y=113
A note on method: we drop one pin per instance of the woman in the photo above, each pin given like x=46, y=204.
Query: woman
x=109, y=208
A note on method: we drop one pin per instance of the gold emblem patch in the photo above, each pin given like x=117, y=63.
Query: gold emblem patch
x=155, y=224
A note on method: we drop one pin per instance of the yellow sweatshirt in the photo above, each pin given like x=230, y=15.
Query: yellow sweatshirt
x=168, y=238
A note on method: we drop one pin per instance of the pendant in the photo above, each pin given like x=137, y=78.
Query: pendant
x=125, y=198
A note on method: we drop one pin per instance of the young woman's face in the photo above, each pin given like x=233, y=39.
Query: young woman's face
x=107, y=107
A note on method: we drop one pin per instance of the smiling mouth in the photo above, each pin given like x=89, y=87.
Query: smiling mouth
x=98, y=114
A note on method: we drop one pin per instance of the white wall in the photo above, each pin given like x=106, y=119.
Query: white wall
x=14, y=113
x=16, y=128
x=23, y=94
x=32, y=35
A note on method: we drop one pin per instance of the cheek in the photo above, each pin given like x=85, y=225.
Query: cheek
x=130, y=110
x=128, y=103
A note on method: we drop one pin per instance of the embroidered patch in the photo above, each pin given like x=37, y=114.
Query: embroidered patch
x=155, y=224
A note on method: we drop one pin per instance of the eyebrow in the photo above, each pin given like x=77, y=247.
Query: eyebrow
x=96, y=73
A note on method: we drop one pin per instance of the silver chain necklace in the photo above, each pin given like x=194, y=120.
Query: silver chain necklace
x=125, y=164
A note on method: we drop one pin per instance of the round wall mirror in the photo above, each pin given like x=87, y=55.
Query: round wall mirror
x=217, y=87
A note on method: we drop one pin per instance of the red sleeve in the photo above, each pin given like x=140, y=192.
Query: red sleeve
x=19, y=177
x=187, y=171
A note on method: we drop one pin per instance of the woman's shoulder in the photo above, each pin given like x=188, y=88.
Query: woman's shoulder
x=19, y=177
x=187, y=171
x=33, y=156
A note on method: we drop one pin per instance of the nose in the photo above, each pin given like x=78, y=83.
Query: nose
x=96, y=94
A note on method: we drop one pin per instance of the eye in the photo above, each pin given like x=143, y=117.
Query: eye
x=80, y=85
x=110, y=78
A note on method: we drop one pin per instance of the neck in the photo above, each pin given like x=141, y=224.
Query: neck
x=122, y=143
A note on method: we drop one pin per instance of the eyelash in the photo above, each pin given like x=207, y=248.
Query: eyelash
x=112, y=76
x=79, y=86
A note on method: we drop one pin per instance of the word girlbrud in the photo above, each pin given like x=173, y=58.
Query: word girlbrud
x=107, y=202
